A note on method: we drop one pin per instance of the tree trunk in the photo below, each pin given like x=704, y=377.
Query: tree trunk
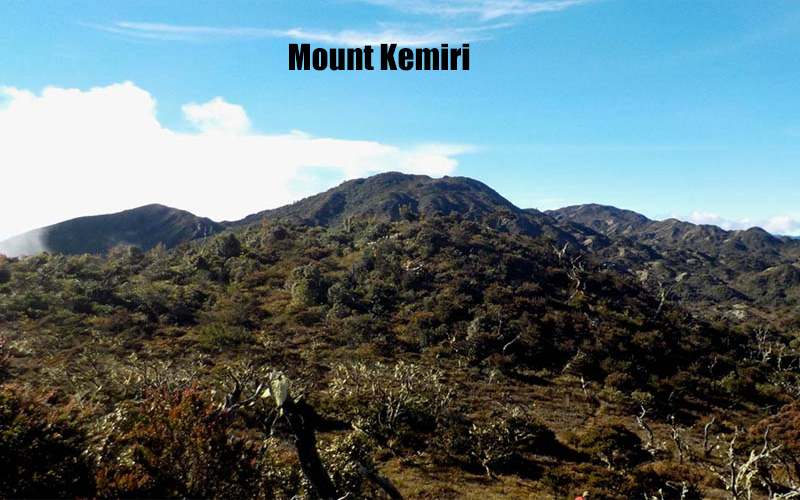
x=301, y=425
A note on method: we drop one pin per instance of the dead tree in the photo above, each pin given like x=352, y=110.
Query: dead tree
x=574, y=273
x=676, y=433
x=764, y=346
x=305, y=442
x=575, y=359
x=706, y=446
x=561, y=252
x=663, y=296
x=738, y=475
x=301, y=419
x=793, y=493
x=649, y=444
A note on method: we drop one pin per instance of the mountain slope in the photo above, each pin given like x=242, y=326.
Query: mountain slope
x=475, y=339
x=144, y=227
x=607, y=220
x=394, y=196
x=703, y=265
x=391, y=196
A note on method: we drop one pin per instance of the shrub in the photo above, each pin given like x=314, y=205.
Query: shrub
x=308, y=285
x=392, y=404
x=5, y=359
x=222, y=335
x=673, y=481
x=173, y=444
x=783, y=430
x=348, y=458
x=558, y=482
x=40, y=451
x=613, y=445
x=499, y=443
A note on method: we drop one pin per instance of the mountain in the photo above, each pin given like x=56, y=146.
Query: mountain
x=391, y=196
x=607, y=220
x=426, y=331
x=703, y=265
x=612, y=221
x=395, y=196
x=144, y=227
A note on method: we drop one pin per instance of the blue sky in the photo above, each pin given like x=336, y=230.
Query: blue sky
x=684, y=108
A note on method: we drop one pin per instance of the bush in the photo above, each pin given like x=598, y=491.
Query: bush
x=222, y=335
x=500, y=442
x=348, y=457
x=558, y=482
x=5, y=359
x=173, y=444
x=393, y=405
x=673, y=481
x=308, y=285
x=40, y=451
x=783, y=430
x=614, y=446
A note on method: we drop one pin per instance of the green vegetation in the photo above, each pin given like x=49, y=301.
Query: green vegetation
x=447, y=356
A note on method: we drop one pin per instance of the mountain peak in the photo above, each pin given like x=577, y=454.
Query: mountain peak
x=387, y=194
x=604, y=219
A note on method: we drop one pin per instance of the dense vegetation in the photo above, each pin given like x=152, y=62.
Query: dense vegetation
x=438, y=356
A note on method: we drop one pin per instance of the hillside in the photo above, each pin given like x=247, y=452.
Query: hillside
x=390, y=196
x=446, y=354
x=396, y=196
x=703, y=266
x=716, y=273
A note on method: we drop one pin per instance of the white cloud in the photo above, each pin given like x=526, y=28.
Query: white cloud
x=401, y=34
x=714, y=219
x=217, y=116
x=484, y=9
x=69, y=152
x=780, y=224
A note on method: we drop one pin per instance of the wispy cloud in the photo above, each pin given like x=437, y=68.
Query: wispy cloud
x=401, y=34
x=788, y=224
x=481, y=20
x=163, y=31
x=484, y=9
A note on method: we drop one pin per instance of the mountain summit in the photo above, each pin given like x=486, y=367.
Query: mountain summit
x=701, y=263
x=394, y=195
x=390, y=195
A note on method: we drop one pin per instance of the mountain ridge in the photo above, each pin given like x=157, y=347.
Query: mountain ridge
x=390, y=195
x=394, y=195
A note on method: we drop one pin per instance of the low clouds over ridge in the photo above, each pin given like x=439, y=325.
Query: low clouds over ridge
x=780, y=224
x=70, y=152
